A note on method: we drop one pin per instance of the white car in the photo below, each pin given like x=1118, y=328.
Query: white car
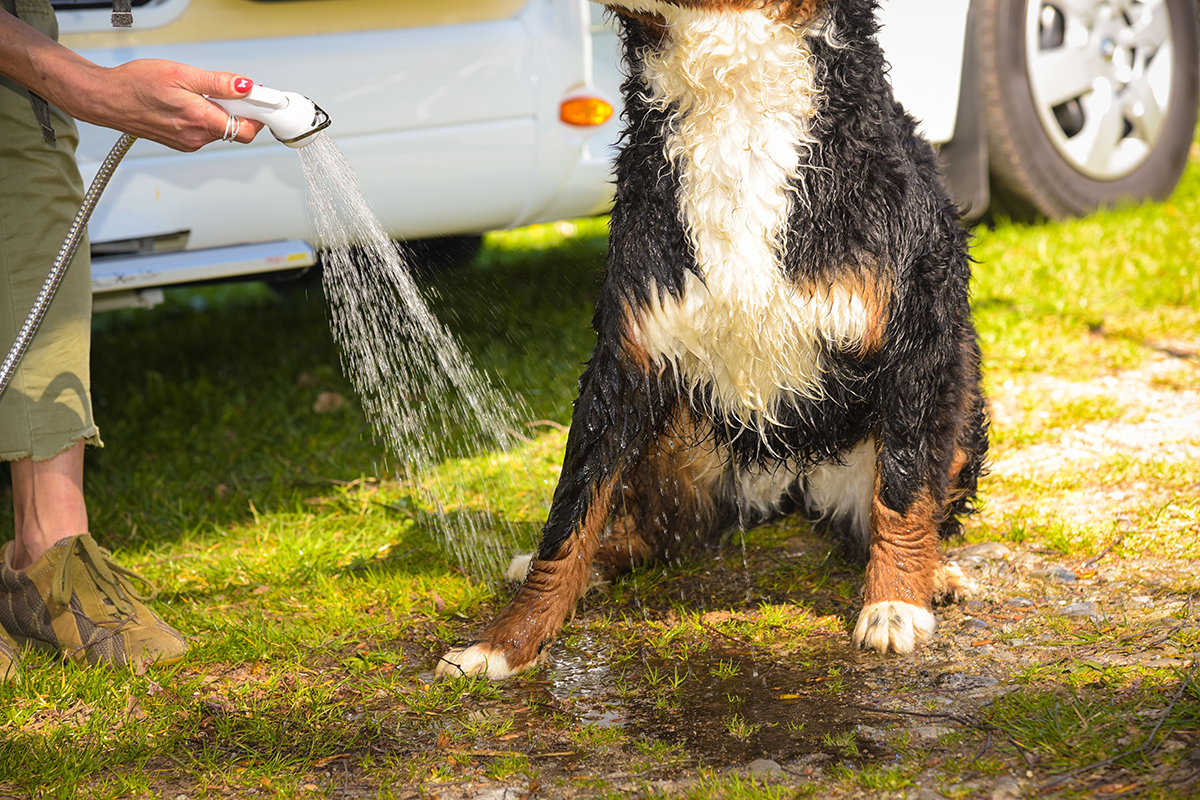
x=450, y=113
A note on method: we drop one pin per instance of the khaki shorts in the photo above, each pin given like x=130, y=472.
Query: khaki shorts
x=47, y=406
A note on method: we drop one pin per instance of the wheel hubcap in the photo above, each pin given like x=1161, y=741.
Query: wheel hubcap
x=1100, y=74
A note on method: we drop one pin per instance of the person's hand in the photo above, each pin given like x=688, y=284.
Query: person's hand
x=162, y=101
x=158, y=100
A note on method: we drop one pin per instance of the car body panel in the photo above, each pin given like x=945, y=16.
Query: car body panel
x=168, y=22
x=925, y=41
x=448, y=113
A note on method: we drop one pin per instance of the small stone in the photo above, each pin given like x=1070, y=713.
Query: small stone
x=958, y=682
x=764, y=767
x=867, y=732
x=1142, y=599
x=502, y=793
x=975, y=625
x=931, y=731
x=1083, y=609
x=974, y=606
x=1055, y=575
x=1165, y=662
x=1006, y=788
x=991, y=551
x=1019, y=602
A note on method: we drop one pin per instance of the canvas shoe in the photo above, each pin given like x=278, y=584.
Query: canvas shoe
x=76, y=601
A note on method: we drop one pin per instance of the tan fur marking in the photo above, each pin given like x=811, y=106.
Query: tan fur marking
x=624, y=547
x=875, y=295
x=634, y=343
x=904, y=552
x=950, y=583
x=533, y=618
x=654, y=21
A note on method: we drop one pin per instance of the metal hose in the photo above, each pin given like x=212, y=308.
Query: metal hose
x=78, y=226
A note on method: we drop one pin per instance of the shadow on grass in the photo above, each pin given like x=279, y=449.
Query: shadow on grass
x=207, y=403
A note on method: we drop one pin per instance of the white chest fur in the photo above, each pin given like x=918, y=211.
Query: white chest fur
x=742, y=91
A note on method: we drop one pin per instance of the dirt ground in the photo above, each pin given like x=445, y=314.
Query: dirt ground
x=1070, y=672
x=1036, y=610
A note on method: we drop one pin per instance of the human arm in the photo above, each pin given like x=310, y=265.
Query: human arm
x=149, y=98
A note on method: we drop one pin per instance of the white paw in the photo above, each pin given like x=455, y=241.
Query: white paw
x=478, y=659
x=893, y=626
x=518, y=568
x=951, y=584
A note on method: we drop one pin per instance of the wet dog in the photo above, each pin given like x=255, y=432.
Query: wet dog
x=784, y=324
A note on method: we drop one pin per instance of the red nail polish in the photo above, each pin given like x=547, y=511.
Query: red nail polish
x=243, y=85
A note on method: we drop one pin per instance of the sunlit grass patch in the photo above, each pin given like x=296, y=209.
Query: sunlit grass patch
x=1150, y=506
x=1081, y=296
x=547, y=236
x=1077, y=724
x=516, y=485
x=1045, y=416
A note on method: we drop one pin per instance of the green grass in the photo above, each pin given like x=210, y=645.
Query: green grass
x=318, y=594
x=1085, y=296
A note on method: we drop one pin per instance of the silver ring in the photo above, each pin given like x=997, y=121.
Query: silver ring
x=232, y=126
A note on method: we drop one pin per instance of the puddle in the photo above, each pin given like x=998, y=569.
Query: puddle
x=725, y=709
x=583, y=676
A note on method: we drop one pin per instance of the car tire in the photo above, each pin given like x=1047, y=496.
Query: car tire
x=1086, y=105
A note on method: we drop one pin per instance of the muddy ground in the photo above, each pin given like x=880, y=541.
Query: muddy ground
x=1069, y=673
x=724, y=710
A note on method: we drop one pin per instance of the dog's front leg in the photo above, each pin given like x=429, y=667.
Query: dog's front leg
x=919, y=461
x=620, y=407
x=898, y=596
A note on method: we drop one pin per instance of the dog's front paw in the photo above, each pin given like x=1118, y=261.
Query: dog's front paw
x=477, y=659
x=893, y=626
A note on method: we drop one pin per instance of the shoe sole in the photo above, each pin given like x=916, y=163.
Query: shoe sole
x=47, y=647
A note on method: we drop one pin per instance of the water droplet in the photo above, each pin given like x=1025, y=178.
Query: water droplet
x=419, y=389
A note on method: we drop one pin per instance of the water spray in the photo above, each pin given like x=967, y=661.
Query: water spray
x=292, y=118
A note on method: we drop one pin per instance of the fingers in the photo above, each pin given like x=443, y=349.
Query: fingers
x=250, y=129
x=225, y=85
x=168, y=103
x=240, y=129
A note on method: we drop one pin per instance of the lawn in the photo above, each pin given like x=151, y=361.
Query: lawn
x=241, y=475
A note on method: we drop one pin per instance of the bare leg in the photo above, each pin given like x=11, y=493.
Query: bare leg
x=47, y=503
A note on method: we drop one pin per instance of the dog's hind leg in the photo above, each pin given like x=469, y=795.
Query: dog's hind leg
x=672, y=501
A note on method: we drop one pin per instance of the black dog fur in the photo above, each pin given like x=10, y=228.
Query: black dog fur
x=657, y=462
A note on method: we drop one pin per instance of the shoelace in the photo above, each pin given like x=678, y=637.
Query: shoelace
x=112, y=579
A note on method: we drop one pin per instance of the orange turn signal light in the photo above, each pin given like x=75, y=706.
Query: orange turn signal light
x=585, y=111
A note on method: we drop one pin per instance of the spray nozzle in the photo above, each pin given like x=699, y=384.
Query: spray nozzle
x=292, y=117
